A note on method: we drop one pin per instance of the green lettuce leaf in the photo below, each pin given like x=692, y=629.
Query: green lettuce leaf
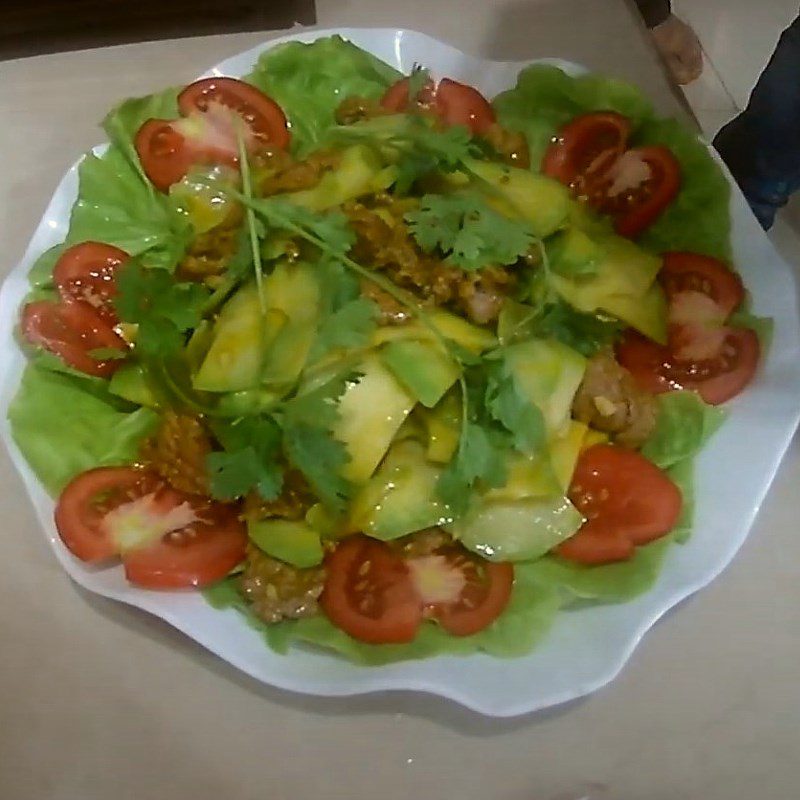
x=115, y=205
x=698, y=219
x=682, y=475
x=40, y=275
x=610, y=583
x=124, y=120
x=530, y=613
x=64, y=425
x=309, y=81
x=683, y=426
x=764, y=327
x=545, y=98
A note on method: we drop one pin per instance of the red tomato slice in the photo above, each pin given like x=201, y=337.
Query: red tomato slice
x=396, y=99
x=683, y=273
x=464, y=592
x=590, y=155
x=586, y=147
x=369, y=594
x=199, y=554
x=207, y=131
x=626, y=500
x=72, y=331
x=165, y=154
x=459, y=104
x=85, y=273
x=453, y=102
x=716, y=379
x=263, y=116
x=87, y=499
x=167, y=539
x=639, y=206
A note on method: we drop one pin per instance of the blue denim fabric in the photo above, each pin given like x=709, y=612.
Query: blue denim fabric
x=762, y=145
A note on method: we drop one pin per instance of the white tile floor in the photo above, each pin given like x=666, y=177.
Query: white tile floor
x=738, y=37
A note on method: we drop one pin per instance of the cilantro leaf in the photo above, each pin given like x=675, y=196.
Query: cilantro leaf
x=421, y=148
x=309, y=444
x=350, y=326
x=469, y=232
x=313, y=450
x=450, y=147
x=338, y=285
x=240, y=264
x=332, y=228
x=163, y=309
x=480, y=456
x=318, y=406
x=417, y=79
x=515, y=413
x=249, y=461
x=586, y=333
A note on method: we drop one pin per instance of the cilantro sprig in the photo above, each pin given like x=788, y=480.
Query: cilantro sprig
x=163, y=308
x=419, y=147
x=256, y=449
x=468, y=231
x=496, y=418
x=250, y=459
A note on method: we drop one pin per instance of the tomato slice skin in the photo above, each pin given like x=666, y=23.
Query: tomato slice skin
x=453, y=102
x=198, y=556
x=627, y=501
x=716, y=380
x=483, y=598
x=683, y=272
x=396, y=98
x=167, y=149
x=164, y=153
x=71, y=331
x=460, y=104
x=377, y=596
x=592, y=547
x=261, y=113
x=654, y=197
x=202, y=552
x=583, y=156
x=78, y=515
x=586, y=147
x=86, y=273
x=368, y=593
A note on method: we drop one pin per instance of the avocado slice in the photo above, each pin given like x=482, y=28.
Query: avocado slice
x=292, y=541
x=622, y=283
x=360, y=172
x=448, y=325
x=573, y=253
x=564, y=452
x=234, y=359
x=548, y=373
x=131, y=382
x=542, y=202
x=401, y=497
x=443, y=428
x=517, y=531
x=371, y=411
x=528, y=476
x=293, y=291
x=422, y=368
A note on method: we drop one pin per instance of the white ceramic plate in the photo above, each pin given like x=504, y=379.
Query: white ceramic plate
x=588, y=646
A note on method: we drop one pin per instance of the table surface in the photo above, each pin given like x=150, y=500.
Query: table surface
x=98, y=702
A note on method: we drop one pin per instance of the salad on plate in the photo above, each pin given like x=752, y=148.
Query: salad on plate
x=392, y=368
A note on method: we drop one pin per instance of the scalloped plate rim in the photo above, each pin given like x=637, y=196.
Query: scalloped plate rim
x=180, y=612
